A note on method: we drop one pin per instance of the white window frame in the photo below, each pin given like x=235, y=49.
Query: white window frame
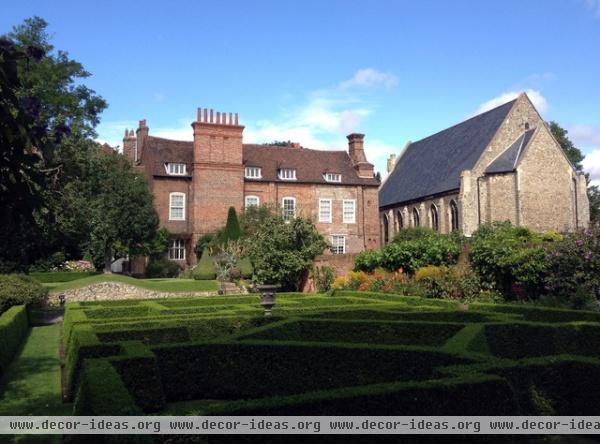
x=328, y=217
x=172, y=207
x=252, y=172
x=285, y=215
x=177, y=249
x=251, y=196
x=335, y=246
x=287, y=174
x=346, y=218
x=176, y=169
x=333, y=177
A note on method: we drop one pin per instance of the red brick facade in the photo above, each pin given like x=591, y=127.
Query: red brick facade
x=195, y=183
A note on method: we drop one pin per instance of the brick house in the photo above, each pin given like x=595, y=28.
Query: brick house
x=195, y=183
x=503, y=164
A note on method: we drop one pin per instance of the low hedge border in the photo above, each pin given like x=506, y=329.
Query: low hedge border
x=224, y=370
x=138, y=369
x=101, y=392
x=14, y=326
x=362, y=332
x=465, y=395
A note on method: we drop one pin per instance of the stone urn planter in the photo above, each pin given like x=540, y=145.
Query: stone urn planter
x=267, y=297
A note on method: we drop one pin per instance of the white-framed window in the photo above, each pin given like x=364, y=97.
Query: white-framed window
x=253, y=173
x=338, y=244
x=177, y=249
x=176, y=169
x=349, y=211
x=288, y=206
x=287, y=174
x=177, y=206
x=252, y=201
x=325, y=211
x=333, y=177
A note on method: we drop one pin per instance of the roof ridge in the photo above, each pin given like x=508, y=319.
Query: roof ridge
x=258, y=145
x=170, y=140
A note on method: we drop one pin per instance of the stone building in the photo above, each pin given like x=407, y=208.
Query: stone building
x=503, y=164
x=195, y=183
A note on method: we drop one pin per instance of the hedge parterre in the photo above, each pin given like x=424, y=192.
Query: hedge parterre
x=346, y=353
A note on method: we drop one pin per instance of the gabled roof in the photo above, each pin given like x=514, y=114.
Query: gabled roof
x=310, y=165
x=507, y=161
x=433, y=165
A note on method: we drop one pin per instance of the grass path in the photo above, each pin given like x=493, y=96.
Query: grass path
x=31, y=384
x=165, y=285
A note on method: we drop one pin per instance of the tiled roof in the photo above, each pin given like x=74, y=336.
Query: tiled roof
x=433, y=165
x=507, y=161
x=158, y=151
x=310, y=165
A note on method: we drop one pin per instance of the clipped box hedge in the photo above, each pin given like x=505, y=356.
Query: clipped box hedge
x=430, y=334
x=233, y=371
x=14, y=327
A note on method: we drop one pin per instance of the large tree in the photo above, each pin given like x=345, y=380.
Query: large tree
x=59, y=191
x=576, y=157
x=122, y=214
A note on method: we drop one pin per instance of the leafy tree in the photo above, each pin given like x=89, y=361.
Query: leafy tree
x=576, y=157
x=281, y=251
x=121, y=207
x=573, y=153
x=43, y=105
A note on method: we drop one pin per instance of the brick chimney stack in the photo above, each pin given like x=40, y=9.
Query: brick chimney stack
x=142, y=134
x=357, y=155
x=129, y=145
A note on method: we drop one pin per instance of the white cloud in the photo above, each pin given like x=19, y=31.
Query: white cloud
x=538, y=100
x=585, y=135
x=591, y=165
x=593, y=6
x=370, y=78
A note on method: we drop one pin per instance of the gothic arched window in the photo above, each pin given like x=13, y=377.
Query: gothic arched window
x=400, y=220
x=434, y=218
x=416, y=219
x=386, y=229
x=453, y=215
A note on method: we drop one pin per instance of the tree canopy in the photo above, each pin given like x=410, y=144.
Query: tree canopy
x=59, y=191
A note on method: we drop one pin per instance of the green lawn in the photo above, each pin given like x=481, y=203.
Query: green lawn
x=165, y=285
x=31, y=384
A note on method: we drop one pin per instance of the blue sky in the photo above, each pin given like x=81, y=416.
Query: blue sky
x=314, y=71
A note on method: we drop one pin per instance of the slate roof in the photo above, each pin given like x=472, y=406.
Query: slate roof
x=507, y=161
x=433, y=164
x=310, y=164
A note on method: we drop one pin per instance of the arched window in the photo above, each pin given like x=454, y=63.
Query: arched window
x=386, y=229
x=453, y=215
x=416, y=220
x=435, y=224
x=400, y=220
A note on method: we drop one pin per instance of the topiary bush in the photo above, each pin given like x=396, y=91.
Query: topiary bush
x=18, y=289
x=205, y=270
x=162, y=268
x=13, y=329
x=245, y=267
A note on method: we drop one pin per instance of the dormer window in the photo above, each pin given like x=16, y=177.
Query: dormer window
x=287, y=174
x=176, y=169
x=253, y=173
x=333, y=177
